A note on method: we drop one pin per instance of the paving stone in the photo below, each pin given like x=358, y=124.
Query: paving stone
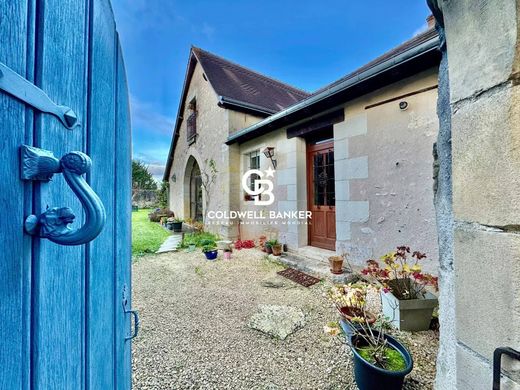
x=277, y=321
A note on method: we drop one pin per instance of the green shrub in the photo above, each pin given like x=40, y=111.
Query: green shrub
x=199, y=239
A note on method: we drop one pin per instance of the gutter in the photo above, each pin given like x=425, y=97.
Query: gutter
x=416, y=51
x=230, y=102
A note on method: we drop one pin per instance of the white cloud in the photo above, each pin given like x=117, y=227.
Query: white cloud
x=421, y=29
x=145, y=116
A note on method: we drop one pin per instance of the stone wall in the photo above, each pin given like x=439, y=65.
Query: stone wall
x=290, y=189
x=383, y=168
x=482, y=56
x=214, y=125
x=384, y=186
x=212, y=129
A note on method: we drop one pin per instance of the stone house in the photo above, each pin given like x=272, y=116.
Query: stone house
x=357, y=154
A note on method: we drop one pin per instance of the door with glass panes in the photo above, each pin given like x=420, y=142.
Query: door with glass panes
x=321, y=194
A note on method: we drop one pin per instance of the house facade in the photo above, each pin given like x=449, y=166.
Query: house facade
x=353, y=162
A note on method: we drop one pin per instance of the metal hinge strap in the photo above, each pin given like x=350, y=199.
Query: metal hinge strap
x=22, y=89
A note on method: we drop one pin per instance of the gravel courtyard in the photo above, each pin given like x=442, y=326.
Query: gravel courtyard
x=194, y=332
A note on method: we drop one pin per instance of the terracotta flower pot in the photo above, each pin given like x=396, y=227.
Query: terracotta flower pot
x=277, y=249
x=336, y=264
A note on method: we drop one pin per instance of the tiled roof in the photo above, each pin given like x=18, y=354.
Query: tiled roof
x=236, y=82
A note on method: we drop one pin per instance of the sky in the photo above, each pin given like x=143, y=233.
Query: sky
x=307, y=44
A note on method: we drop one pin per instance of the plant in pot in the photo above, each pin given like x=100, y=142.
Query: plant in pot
x=168, y=222
x=261, y=242
x=405, y=296
x=269, y=245
x=210, y=251
x=350, y=300
x=336, y=265
x=276, y=247
x=177, y=225
x=380, y=361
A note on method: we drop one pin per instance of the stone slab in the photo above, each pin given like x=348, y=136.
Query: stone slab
x=277, y=321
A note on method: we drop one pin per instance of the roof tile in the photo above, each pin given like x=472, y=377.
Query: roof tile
x=234, y=81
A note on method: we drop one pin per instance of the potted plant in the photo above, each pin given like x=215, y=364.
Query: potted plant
x=350, y=300
x=336, y=264
x=210, y=251
x=224, y=245
x=269, y=246
x=276, y=247
x=168, y=222
x=177, y=225
x=261, y=242
x=380, y=361
x=405, y=298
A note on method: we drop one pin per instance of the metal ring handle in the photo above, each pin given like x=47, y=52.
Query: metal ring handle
x=135, y=314
x=53, y=224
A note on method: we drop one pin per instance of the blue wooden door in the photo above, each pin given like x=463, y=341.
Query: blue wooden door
x=64, y=320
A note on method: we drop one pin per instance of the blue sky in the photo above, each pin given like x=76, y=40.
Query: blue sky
x=304, y=43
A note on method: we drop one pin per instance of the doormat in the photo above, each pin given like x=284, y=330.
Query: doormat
x=298, y=277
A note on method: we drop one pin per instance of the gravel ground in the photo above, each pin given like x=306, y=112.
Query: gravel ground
x=194, y=335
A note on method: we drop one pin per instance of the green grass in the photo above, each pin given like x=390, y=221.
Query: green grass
x=147, y=236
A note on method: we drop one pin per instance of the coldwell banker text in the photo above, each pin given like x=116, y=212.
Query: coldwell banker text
x=252, y=215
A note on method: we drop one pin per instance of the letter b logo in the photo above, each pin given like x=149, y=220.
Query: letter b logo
x=261, y=186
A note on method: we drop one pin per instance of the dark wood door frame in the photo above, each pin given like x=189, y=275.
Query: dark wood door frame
x=322, y=227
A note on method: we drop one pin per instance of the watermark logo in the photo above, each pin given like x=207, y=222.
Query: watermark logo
x=261, y=188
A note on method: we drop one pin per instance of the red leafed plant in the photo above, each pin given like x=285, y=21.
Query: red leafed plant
x=245, y=244
x=401, y=273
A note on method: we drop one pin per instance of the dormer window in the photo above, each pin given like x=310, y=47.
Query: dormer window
x=191, y=123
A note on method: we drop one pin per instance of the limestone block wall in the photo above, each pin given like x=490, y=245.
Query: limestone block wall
x=483, y=63
x=213, y=129
x=289, y=187
x=384, y=186
x=214, y=124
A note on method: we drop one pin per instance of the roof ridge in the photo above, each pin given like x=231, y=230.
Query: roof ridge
x=242, y=68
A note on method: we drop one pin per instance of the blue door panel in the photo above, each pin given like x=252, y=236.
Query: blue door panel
x=59, y=271
x=122, y=224
x=62, y=319
x=15, y=248
x=101, y=147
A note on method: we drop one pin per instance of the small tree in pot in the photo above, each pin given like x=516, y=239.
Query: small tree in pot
x=350, y=300
x=380, y=361
x=406, y=300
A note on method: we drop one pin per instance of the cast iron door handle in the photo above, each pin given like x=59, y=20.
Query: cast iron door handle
x=53, y=224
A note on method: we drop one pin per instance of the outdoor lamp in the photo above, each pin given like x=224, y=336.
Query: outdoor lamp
x=269, y=153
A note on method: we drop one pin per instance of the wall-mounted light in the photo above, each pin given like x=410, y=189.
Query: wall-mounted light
x=269, y=153
x=403, y=105
x=174, y=178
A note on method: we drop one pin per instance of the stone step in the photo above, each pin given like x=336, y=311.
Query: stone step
x=316, y=265
x=171, y=243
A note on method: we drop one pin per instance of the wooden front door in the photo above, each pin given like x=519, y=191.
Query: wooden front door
x=65, y=283
x=321, y=194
